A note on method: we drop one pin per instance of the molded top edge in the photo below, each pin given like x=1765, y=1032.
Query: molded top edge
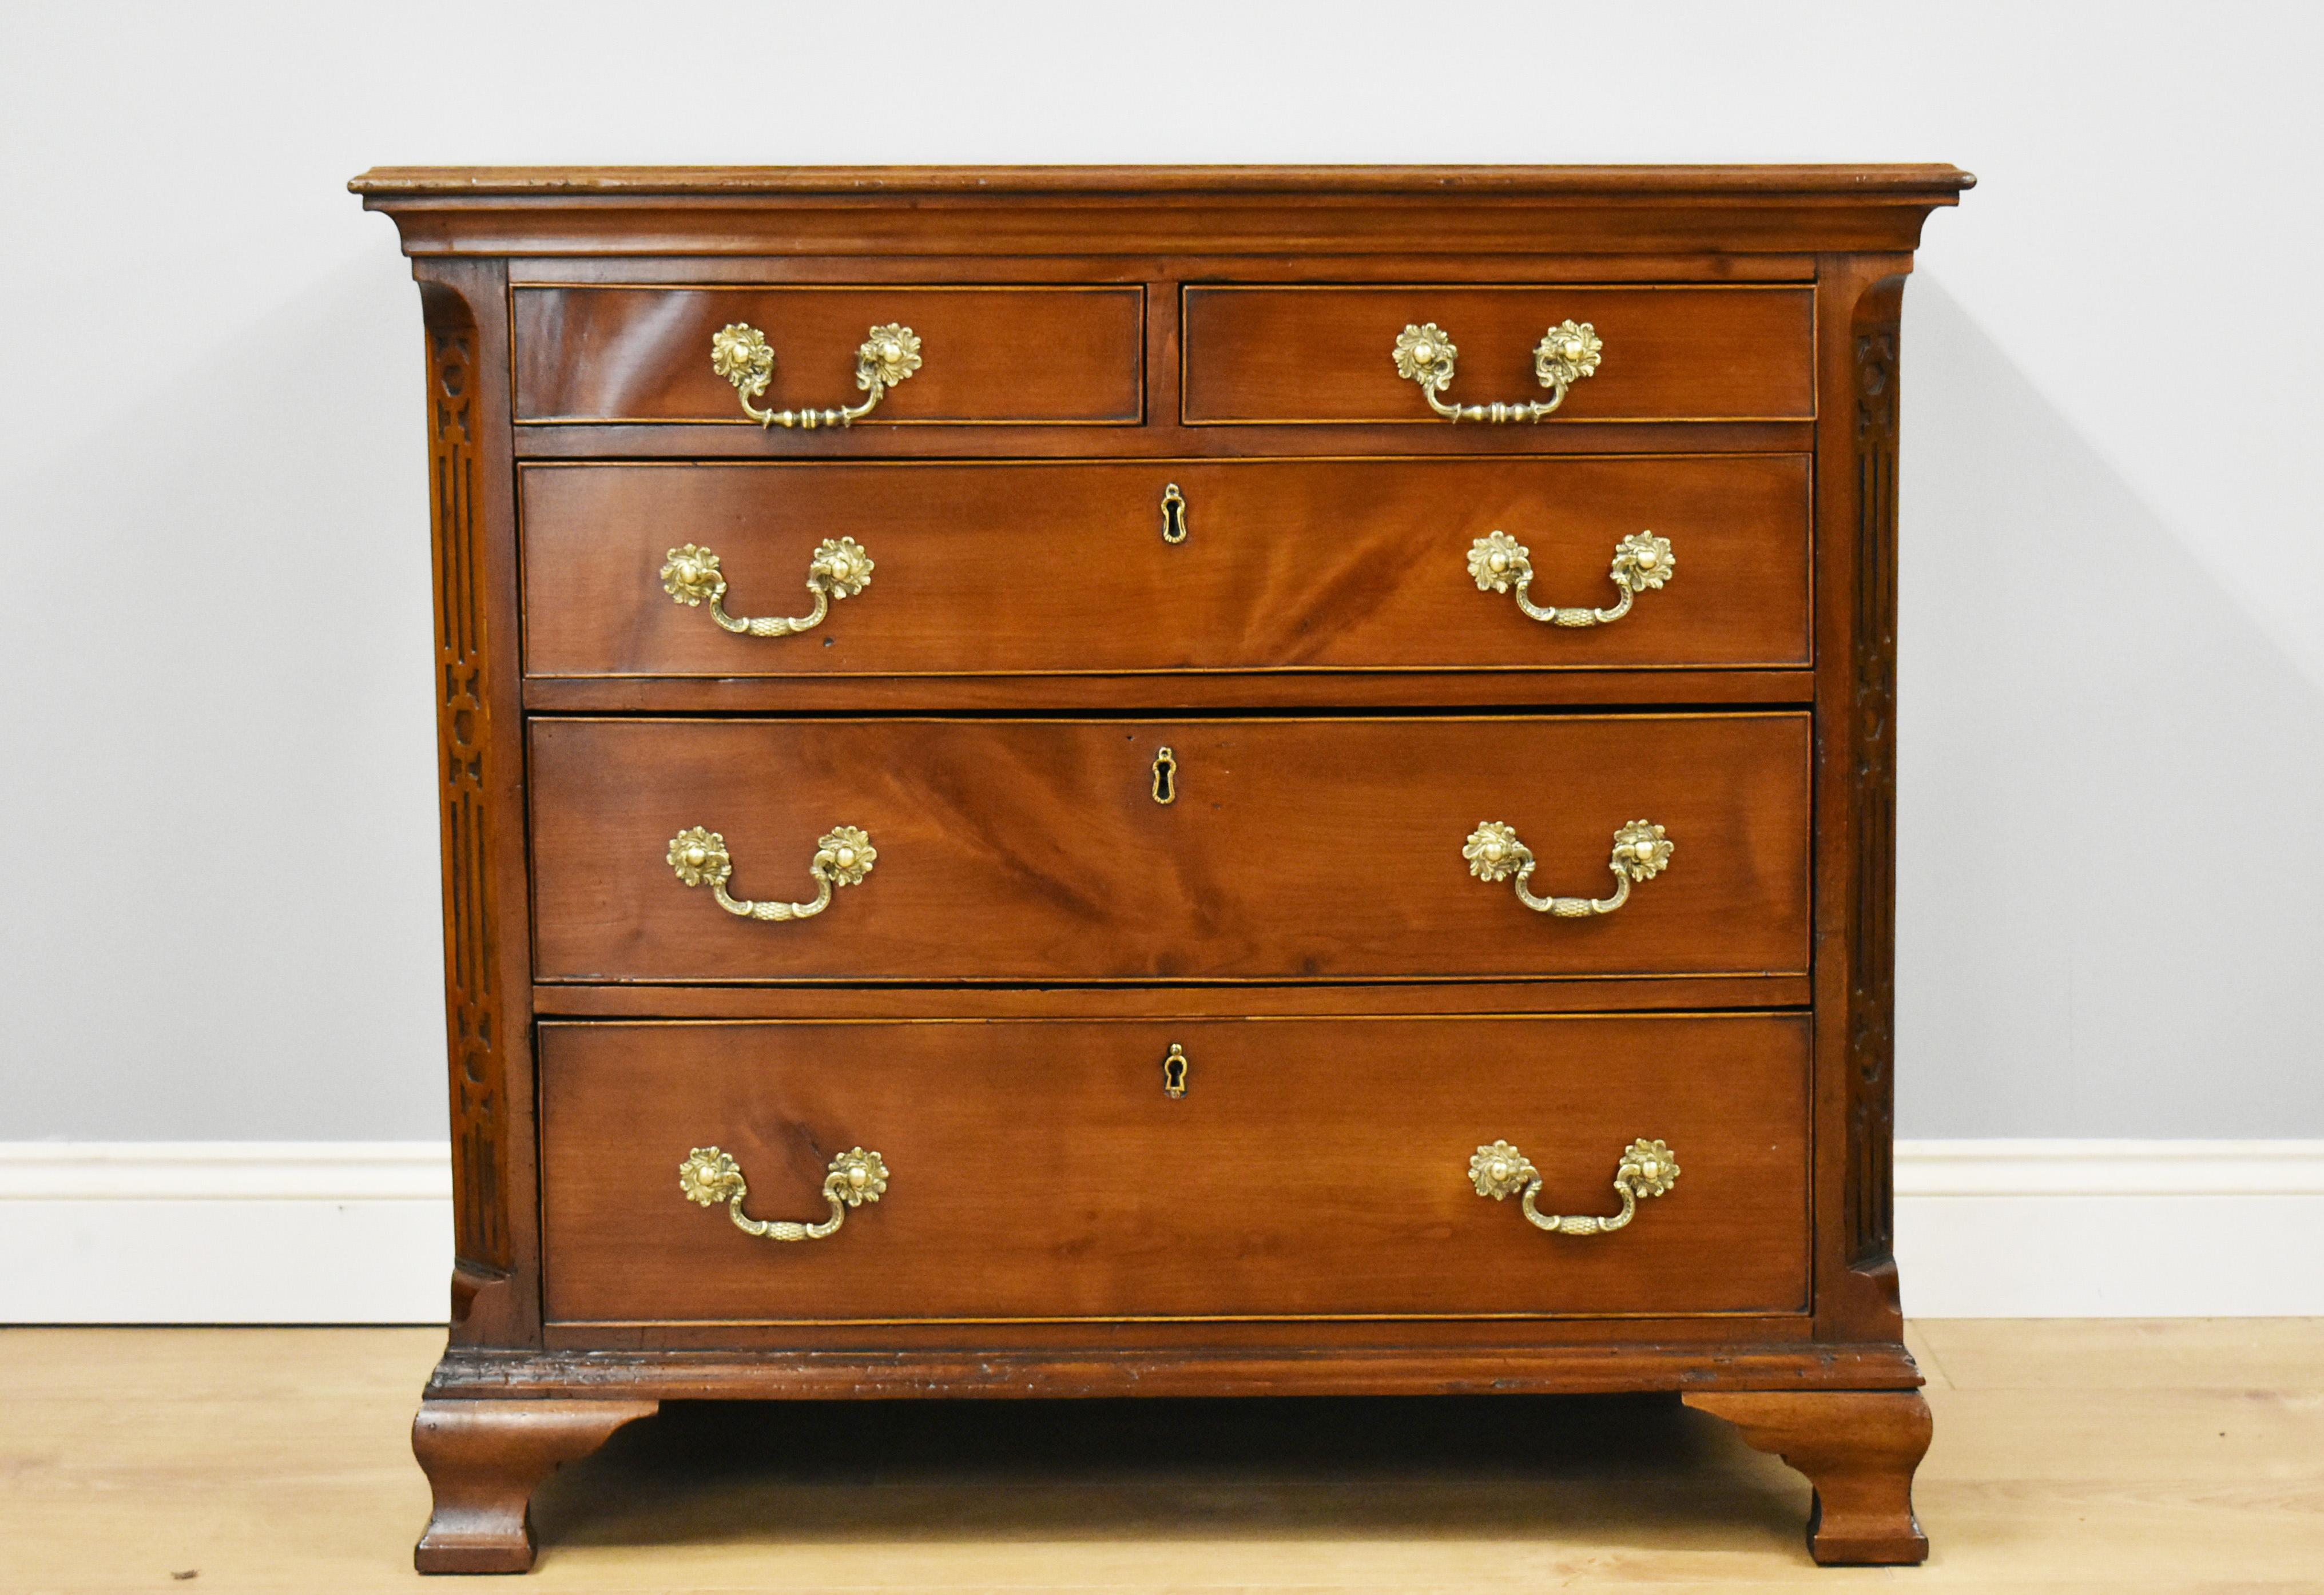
x=1928, y=183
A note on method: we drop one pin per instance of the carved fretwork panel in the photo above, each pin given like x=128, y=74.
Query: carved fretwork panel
x=1872, y=984
x=479, y=1062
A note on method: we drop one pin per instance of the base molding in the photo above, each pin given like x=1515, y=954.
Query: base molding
x=201, y=1232
x=466, y=1374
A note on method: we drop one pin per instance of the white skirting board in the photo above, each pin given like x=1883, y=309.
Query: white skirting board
x=360, y=1233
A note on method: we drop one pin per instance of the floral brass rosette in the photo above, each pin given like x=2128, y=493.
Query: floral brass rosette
x=709, y=1176
x=887, y=357
x=857, y=1176
x=1643, y=561
x=1641, y=850
x=844, y=854
x=691, y=576
x=1568, y=351
x=1423, y=354
x=1500, y=1171
x=1497, y=560
x=738, y=352
x=1494, y=851
x=1648, y=1168
x=700, y=857
x=842, y=567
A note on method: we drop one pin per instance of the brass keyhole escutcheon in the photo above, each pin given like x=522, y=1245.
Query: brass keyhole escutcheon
x=1166, y=777
x=1174, y=1064
x=1174, y=514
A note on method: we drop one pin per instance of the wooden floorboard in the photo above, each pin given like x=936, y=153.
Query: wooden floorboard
x=2117, y=1457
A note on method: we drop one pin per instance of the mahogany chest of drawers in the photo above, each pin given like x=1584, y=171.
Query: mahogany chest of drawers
x=1238, y=781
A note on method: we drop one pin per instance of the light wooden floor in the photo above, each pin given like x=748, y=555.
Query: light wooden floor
x=2096, y=1456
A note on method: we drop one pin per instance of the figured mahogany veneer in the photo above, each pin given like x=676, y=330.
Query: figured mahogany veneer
x=1032, y=850
x=1303, y=354
x=990, y=570
x=1001, y=354
x=1241, y=1198
x=992, y=1007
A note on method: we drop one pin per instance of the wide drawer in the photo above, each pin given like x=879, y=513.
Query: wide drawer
x=1299, y=353
x=1291, y=849
x=987, y=355
x=983, y=569
x=1042, y=1170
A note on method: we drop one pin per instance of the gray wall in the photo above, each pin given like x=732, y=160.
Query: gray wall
x=216, y=810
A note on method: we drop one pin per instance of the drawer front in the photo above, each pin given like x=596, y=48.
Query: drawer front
x=981, y=569
x=1309, y=355
x=1024, y=356
x=1292, y=849
x=1311, y=1167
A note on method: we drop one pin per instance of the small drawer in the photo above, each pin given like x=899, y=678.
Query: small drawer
x=1324, y=1167
x=985, y=356
x=1217, y=850
x=1165, y=566
x=1310, y=355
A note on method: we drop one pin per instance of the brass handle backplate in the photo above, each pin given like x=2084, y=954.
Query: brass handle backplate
x=1641, y=852
x=1646, y=1169
x=1568, y=351
x=840, y=568
x=1499, y=563
x=709, y=1176
x=844, y=855
x=740, y=352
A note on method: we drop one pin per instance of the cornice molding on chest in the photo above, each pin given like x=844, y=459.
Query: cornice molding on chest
x=1155, y=210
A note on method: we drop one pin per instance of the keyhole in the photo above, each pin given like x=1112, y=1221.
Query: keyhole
x=1174, y=514
x=1166, y=777
x=1174, y=1070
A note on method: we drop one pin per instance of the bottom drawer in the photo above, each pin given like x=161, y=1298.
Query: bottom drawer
x=1043, y=1169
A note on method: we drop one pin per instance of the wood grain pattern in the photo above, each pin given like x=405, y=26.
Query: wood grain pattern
x=997, y=354
x=1592, y=994
x=1039, y=1170
x=1114, y=210
x=1912, y=180
x=1178, y=692
x=1091, y=333
x=1311, y=565
x=480, y=750
x=1872, y=961
x=1857, y=1448
x=2074, y=1457
x=1316, y=354
x=485, y=1459
x=1858, y=1292
x=1024, y=850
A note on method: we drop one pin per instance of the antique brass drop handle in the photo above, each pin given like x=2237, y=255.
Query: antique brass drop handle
x=843, y=857
x=840, y=568
x=709, y=1176
x=1569, y=351
x=1641, y=852
x=738, y=352
x=1498, y=562
x=1646, y=1169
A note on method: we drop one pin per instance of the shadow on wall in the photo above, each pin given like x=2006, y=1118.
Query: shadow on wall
x=2110, y=881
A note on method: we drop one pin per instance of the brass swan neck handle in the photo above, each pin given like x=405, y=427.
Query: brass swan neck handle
x=840, y=568
x=709, y=1176
x=1499, y=563
x=740, y=352
x=1641, y=852
x=1568, y=352
x=844, y=856
x=1646, y=1169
